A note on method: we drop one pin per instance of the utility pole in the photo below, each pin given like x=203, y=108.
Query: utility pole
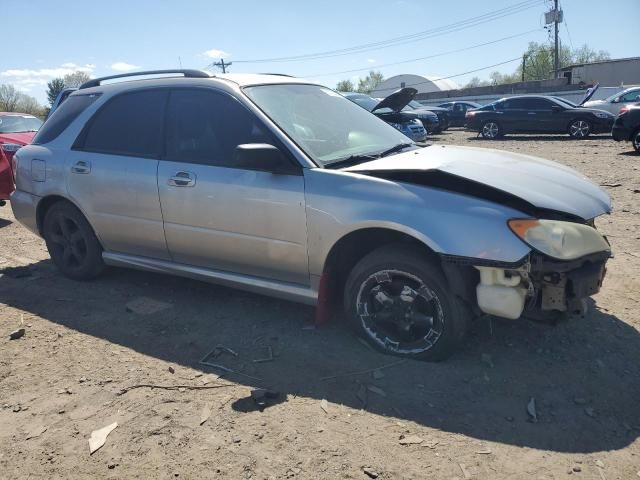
x=524, y=60
x=224, y=66
x=556, y=64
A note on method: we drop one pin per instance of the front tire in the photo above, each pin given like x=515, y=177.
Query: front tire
x=579, y=128
x=399, y=302
x=635, y=140
x=491, y=130
x=72, y=245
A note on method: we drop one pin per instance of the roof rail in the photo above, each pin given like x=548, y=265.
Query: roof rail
x=279, y=74
x=188, y=73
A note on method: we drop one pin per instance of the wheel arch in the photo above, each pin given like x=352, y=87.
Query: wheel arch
x=349, y=249
x=45, y=204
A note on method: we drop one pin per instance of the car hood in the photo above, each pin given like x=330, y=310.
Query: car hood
x=590, y=93
x=23, y=138
x=504, y=177
x=397, y=100
x=593, y=104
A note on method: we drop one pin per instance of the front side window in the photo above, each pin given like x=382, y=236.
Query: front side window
x=17, y=123
x=205, y=127
x=631, y=96
x=129, y=124
x=326, y=125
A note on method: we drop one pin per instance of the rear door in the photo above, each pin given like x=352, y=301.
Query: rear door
x=216, y=214
x=112, y=173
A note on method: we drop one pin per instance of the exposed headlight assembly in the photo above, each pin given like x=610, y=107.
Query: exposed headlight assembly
x=561, y=240
x=11, y=147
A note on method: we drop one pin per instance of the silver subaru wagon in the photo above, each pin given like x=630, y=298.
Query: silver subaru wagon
x=284, y=187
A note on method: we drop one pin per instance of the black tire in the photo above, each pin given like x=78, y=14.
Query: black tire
x=399, y=302
x=635, y=140
x=72, y=245
x=491, y=130
x=579, y=128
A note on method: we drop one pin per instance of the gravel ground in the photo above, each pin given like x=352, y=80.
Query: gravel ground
x=465, y=418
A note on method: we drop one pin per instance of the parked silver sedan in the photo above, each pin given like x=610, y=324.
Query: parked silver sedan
x=283, y=187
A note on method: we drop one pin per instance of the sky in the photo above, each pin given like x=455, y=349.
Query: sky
x=46, y=39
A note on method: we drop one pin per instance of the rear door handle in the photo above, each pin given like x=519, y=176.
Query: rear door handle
x=532, y=113
x=182, y=179
x=81, y=166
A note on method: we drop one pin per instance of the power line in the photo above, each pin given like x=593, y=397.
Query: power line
x=453, y=76
x=384, y=65
x=430, y=33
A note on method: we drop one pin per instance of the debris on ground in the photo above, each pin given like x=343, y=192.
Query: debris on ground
x=262, y=396
x=483, y=452
x=370, y=472
x=268, y=358
x=599, y=463
x=410, y=440
x=36, y=432
x=465, y=472
x=171, y=369
x=324, y=405
x=65, y=390
x=590, y=412
x=363, y=372
x=377, y=390
x=531, y=410
x=611, y=185
x=17, y=334
x=146, y=306
x=99, y=437
x=205, y=414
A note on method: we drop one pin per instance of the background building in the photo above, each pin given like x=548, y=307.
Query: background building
x=419, y=82
x=608, y=73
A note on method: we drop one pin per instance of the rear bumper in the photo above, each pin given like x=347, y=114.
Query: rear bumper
x=24, y=206
x=621, y=133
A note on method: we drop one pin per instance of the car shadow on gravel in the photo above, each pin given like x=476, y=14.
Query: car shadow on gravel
x=541, y=138
x=583, y=374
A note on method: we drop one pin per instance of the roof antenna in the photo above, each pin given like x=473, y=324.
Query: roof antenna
x=180, y=61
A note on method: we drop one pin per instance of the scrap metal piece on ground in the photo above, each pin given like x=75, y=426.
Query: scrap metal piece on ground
x=17, y=334
x=99, y=437
x=146, y=306
x=206, y=413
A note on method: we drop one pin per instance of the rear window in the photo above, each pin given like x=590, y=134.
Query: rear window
x=62, y=117
x=130, y=124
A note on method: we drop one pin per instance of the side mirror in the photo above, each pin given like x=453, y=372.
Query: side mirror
x=556, y=108
x=615, y=100
x=263, y=157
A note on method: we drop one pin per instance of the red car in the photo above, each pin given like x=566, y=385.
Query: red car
x=16, y=130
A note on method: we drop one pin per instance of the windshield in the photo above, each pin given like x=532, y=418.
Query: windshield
x=19, y=123
x=565, y=101
x=415, y=104
x=323, y=123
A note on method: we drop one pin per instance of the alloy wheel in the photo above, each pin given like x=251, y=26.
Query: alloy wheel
x=579, y=129
x=490, y=130
x=68, y=242
x=399, y=312
x=636, y=141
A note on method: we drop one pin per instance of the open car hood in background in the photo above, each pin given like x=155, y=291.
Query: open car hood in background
x=589, y=94
x=529, y=184
x=397, y=100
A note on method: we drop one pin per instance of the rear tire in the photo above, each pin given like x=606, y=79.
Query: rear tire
x=72, y=245
x=491, y=130
x=399, y=302
x=579, y=128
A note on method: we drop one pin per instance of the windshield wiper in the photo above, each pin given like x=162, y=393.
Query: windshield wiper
x=351, y=160
x=395, y=149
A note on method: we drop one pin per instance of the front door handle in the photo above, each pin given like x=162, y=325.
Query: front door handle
x=81, y=166
x=532, y=113
x=182, y=179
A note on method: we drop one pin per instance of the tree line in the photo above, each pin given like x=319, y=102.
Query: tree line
x=13, y=100
x=538, y=65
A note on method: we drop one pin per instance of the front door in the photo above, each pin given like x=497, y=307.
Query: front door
x=217, y=215
x=112, y=172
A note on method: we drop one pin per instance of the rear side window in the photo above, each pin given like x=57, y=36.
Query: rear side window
x=129, y=124
x=62, y=117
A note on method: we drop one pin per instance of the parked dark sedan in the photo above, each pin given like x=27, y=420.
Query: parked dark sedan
x=442, y=113
x=627, y=126
x=457, y=111
x=537, y=114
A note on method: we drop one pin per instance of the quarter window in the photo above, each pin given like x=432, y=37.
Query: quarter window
x=205, y=127
x=129, y=124
x=62, y=117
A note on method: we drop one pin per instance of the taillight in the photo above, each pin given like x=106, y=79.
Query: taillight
x=624, y=109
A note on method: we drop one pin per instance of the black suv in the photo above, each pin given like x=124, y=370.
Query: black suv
x=537, y=114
